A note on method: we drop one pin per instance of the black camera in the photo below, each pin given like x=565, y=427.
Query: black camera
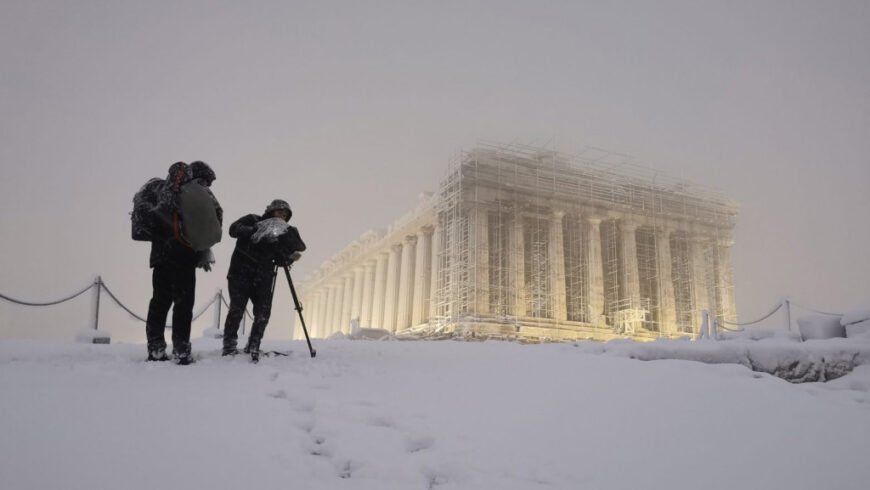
x=284, y=259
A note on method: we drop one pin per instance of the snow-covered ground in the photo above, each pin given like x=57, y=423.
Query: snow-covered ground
x=424, y=415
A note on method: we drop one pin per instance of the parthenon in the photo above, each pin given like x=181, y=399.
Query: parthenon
x=532, y=244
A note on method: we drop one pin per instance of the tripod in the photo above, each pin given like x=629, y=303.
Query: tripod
x=295, y=301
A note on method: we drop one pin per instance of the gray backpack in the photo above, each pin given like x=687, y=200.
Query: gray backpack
x=198, y=213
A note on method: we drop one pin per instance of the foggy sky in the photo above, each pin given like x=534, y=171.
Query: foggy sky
x=348, y=110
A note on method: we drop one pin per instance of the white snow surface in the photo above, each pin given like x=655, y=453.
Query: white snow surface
x=422, y=415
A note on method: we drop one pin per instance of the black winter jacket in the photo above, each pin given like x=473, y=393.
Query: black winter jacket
x=251, y=260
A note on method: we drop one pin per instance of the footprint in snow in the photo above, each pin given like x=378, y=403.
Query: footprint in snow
x=417, y=444
x=279, y=395
x=319, y=447
x=381, y=421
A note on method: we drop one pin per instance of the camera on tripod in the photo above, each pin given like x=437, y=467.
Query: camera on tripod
x=284, y=260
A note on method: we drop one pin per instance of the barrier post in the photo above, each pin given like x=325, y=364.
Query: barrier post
x=217, y=313
x=98, y=286
x=704, y=332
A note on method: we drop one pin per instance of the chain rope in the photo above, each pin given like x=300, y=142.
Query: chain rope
x=815, y=310
x=204, y=309
x=118, y=302
x=250, y=316
x=49, y=303
x=765, y=317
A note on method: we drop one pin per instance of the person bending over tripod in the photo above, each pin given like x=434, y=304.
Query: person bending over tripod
x=262, y=242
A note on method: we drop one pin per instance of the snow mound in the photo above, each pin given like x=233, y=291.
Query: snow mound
x=820, y=327
x=797, y=362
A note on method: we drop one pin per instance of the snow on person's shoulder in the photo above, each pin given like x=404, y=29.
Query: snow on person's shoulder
x=268, y=230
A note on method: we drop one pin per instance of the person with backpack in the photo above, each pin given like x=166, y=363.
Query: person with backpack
x=262, y=242
x=182, y=219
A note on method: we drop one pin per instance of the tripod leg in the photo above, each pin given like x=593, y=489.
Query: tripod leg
x=299, y=310
x=274, y=279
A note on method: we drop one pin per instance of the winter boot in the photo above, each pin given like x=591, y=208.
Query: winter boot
x=157, y=354
x=182, y=355
x=253, y=348
x=230, y=349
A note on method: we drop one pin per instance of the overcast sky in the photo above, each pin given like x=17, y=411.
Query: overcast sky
x=348, y=110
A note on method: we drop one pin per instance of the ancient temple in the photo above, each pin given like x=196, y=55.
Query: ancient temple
x=533, y=244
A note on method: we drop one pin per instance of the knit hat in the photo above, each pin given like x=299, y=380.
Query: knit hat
x=201, y=170
x=276, y=205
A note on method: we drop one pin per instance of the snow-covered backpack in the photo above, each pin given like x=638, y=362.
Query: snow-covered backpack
x=199, y=216
x=146, y=208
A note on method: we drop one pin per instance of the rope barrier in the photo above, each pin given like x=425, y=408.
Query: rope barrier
x=816, y=311
x=118, y=302
x=50, y=303
x=99, y=283
x=204, y=309
x=723, y=327
x=765, y=317
x=250, y=316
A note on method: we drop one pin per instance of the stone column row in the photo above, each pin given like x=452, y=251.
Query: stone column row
x=392, y=291
x=629, y=280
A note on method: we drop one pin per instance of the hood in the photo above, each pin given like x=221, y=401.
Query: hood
x=201, y=171
x=179, y=174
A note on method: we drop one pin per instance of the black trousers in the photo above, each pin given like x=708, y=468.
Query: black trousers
x=257, y=289
x=172, y=285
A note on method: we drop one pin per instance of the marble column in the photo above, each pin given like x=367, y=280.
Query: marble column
x=422, y=269
x=557, y=267
x=594, y=273
x=324, y=312
x=347, y=302
x=405, y=294
x=481, y=271
x=434, y=272
x=519, y=266
x=368, y=294
x=356, y=305
x=391, y=295
x=379, y=300
x=700, y=283
x=667, y=299
x=330, y=313
x=726, y=280
x=336, y=324
x=312, y=310
x=630, y=277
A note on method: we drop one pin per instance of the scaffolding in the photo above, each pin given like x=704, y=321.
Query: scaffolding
x=681, y=272
x=576, y=269
x=648, y=277
x=503, y=242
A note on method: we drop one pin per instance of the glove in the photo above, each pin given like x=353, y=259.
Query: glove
x=206, y=259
